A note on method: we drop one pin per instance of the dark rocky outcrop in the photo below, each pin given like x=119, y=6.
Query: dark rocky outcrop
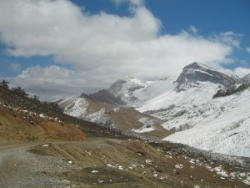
x=195, y=72
x=231, y=91
x=107, y=97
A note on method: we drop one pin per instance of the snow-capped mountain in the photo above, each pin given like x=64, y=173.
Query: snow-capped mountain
x=218, y=124
x=202, y=107
x=194, y=73
x=121, y=92
x=108, y=115
x=246, y=79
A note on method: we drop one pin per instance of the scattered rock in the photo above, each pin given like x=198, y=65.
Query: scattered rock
x=94, y=171
x=148, y=161
x=179, y=166
x=100, y=181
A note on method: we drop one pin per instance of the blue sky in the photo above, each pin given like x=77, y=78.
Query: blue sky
x=204, y=22
x=209, y=17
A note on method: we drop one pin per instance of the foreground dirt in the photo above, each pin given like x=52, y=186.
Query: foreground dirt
x=104, y=162
x=19, y=126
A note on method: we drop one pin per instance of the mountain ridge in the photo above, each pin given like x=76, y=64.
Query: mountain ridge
x=195, y=72
x=184, y=104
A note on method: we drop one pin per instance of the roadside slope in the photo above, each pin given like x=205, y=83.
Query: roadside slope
x=112, y=163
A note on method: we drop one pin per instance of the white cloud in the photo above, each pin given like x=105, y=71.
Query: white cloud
x=248, y=49
x=102, y=47
x=229, y=38
x=51, y=82
x=193, y=29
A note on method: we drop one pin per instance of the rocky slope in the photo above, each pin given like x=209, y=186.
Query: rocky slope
x=112, y=116
x=194, y=73
x=120, y=92
x=31, y=109
x=19, y=125
x=112, y=163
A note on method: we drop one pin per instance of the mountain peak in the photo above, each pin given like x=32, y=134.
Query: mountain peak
x=128, y=83
x=194, y=73
x=120, y=92
x=246, y=79
x=200, y=66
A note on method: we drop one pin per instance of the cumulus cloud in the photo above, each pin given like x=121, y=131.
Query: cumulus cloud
x=101, y=47
x=229, y=38
x=51, y=82
x=193, y=29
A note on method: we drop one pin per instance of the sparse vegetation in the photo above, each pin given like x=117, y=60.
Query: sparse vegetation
x=17, y=98
x=20, y=91
x=4, y=84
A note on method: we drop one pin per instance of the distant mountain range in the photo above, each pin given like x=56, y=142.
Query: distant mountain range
x=202, y=107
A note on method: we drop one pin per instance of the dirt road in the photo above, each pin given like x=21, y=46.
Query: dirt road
x=104, y=162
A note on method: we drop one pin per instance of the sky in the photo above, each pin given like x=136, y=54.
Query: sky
x=59, y=48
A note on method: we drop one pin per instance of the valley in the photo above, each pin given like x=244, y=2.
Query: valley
x=87, y=142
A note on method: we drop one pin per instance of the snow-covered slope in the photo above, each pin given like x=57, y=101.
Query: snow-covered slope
x=181, y=110
x=205, y=108
x=108, y=115
x=246, y=79
x=217, y=124
x=195, y=73
x=120, y=92
x=225, y=127
x=79, y=107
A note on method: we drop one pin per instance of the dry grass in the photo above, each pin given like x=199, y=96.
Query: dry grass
x=124, y=164
x=19, y=127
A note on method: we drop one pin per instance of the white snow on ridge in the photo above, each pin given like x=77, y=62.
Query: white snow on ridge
x=135, y=81
x=78, y=107
x=220, y=125
x=144, y=129
x=148, y=125
x=99, y=117
x=153, y=90
x=195, y=95
x=75, y=106
x=124, y=88
x=226, y=132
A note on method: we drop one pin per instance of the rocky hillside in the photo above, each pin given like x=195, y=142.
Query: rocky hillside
x=120, y=92
x=19, y=126
x=112, y=116
x=12, y=100
x=194, y=73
